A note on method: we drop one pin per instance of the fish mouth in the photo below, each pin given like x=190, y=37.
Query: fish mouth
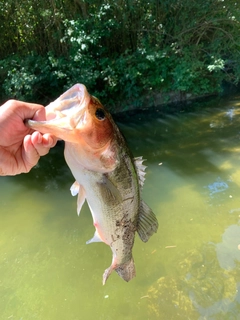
x=64, y=114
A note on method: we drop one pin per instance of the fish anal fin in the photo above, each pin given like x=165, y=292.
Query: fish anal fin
x=95, y=238
x=147, y=222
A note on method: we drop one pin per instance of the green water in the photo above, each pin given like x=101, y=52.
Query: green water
x=189, y=270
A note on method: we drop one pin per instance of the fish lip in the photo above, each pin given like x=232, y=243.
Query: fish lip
x=56, y=127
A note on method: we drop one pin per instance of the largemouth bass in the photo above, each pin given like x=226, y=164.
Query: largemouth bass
x=106, y=174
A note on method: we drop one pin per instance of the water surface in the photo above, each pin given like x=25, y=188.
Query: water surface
x=189, y=270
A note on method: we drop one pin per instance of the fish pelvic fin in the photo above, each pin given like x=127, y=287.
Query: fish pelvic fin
x=75, y=189
x=147, y=222
x=126, y=271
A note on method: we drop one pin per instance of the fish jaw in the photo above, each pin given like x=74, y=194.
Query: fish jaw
x=61, y=128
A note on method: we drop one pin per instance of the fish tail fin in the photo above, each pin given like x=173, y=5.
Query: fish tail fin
x=126, y=271
x=107, y=273
x=147, y=222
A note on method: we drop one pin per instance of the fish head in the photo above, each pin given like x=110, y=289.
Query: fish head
x=85, y=125
x=77, y=117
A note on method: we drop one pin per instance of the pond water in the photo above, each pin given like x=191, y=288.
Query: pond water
x=189, y=270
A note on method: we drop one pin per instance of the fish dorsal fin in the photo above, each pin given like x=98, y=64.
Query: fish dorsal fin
x=140, y=170
x=147, y=222
x=75, y=189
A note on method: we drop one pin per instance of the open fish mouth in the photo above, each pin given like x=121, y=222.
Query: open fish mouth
x=71, y=102
x=64, y=114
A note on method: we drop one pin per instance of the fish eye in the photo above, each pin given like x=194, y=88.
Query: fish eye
x=100, y=114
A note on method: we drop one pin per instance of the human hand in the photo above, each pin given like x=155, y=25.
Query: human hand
x=20, y=147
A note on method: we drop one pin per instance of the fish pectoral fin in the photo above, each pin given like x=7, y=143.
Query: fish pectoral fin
x=95, y=238
x=109, y=191
x=147, y=222
x=75, y=189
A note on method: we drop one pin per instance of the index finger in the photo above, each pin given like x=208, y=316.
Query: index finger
x=33, y=111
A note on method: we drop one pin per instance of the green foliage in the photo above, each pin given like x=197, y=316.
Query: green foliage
x=121, y=50
x=33, y=78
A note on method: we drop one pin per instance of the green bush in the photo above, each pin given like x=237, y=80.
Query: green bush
x=121, y=50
